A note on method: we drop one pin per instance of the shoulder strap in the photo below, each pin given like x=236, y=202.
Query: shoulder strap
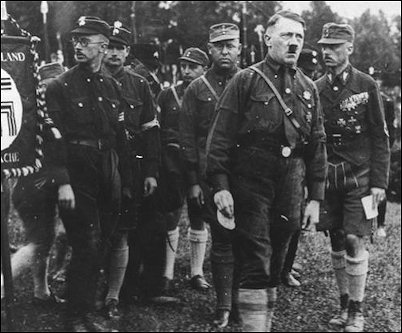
x=211, y=89
x=176, y=96
x=286, y=109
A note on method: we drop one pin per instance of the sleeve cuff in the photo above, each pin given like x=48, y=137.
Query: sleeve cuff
x=317, y=191
x=59, y=176
x=220, y=182
x=192, y=177
x=151, y=169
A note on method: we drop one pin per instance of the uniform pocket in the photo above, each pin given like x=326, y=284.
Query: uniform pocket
x=264, y=112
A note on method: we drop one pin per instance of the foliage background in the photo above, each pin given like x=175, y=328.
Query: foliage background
x=176, y=25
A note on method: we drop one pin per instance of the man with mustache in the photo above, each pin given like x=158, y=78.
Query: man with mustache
x=198, y=110
x=141, y=125
x=84, y=103
x=358, y=156
x=267, y=140
x=193, y=64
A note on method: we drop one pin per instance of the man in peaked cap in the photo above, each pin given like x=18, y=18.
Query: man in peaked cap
x=142, y=128
x=85, y=104
x=308, y=62
x=358, y=158
x=147, y=64
x=258, y=160
x=193, y=63
x=198, y=110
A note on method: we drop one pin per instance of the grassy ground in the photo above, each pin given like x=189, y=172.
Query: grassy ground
x=306, y=309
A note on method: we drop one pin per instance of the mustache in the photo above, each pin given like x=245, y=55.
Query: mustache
x=292, y=48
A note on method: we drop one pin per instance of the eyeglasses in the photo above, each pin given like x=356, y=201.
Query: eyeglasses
x=83, y=41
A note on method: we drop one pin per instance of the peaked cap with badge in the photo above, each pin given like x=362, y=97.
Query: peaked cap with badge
x=120, y=34
x=195, y=55
x=91, y=25
x=223, y=31
x=333, y=33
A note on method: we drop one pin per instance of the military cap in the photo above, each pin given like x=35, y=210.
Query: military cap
x=50, y=71
x=308, y=59
x=91, y=25
x=147, y=54
x=333, y=33
x=223, y=31
x=120, y=34
x=195, y=55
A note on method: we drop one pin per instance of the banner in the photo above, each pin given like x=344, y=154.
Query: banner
x=20, y=144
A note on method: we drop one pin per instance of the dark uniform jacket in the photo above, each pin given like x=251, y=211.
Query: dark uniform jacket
x=86, y=106
x=195, y=118
x=249, y=115
x=153, y=80
x=140, y=119
x=354, y=122
x=170, y=108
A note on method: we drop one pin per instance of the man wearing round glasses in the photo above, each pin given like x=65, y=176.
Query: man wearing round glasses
x=84, y=103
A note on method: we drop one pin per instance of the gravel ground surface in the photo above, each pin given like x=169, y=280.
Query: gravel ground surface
x=305, y=309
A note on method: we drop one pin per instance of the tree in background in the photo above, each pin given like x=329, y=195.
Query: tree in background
x=375, y=45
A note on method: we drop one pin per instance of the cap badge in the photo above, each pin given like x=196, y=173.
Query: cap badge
x=307, y=95
x=117, y=25
x=81, y=21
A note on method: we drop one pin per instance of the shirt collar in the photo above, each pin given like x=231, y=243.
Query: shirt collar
x=341, y=77
x=277, y=67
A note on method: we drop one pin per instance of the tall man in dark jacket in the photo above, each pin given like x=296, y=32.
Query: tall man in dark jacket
x=358, y=156
x=141, y=125
x=84, y=103
x=258, y=162
x=197, y=113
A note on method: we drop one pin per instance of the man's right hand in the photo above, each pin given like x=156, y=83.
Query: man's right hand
x=66, y=197
x=196, y=195
x=225, y=203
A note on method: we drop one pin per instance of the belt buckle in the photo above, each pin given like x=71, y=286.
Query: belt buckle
x=286, y=151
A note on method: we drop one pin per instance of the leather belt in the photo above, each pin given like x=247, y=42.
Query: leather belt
x=99, y=144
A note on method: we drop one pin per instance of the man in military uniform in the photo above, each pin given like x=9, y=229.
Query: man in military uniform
x=84, y=103
x=193, y=64
x=147, y=64
x=260, y=153
x=358, y=156
x=389, y=112
x=198, y=109
x=140, y=120
x=308, y=63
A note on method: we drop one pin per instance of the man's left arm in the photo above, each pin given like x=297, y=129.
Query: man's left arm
x=151, y=139
x=316, y=154
x=377, y=130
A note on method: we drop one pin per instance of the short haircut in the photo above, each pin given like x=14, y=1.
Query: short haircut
x=285, y=14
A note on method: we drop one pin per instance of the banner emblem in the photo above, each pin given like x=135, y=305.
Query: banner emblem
x=11, y=110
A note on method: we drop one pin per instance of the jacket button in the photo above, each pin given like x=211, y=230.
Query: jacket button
x=336, y=88
x=288, y=91
x=80, y=104
x=100, y=99
x=131, y=106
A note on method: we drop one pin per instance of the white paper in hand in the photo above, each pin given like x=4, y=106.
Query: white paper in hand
x=368, y=207
x=228, y=223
